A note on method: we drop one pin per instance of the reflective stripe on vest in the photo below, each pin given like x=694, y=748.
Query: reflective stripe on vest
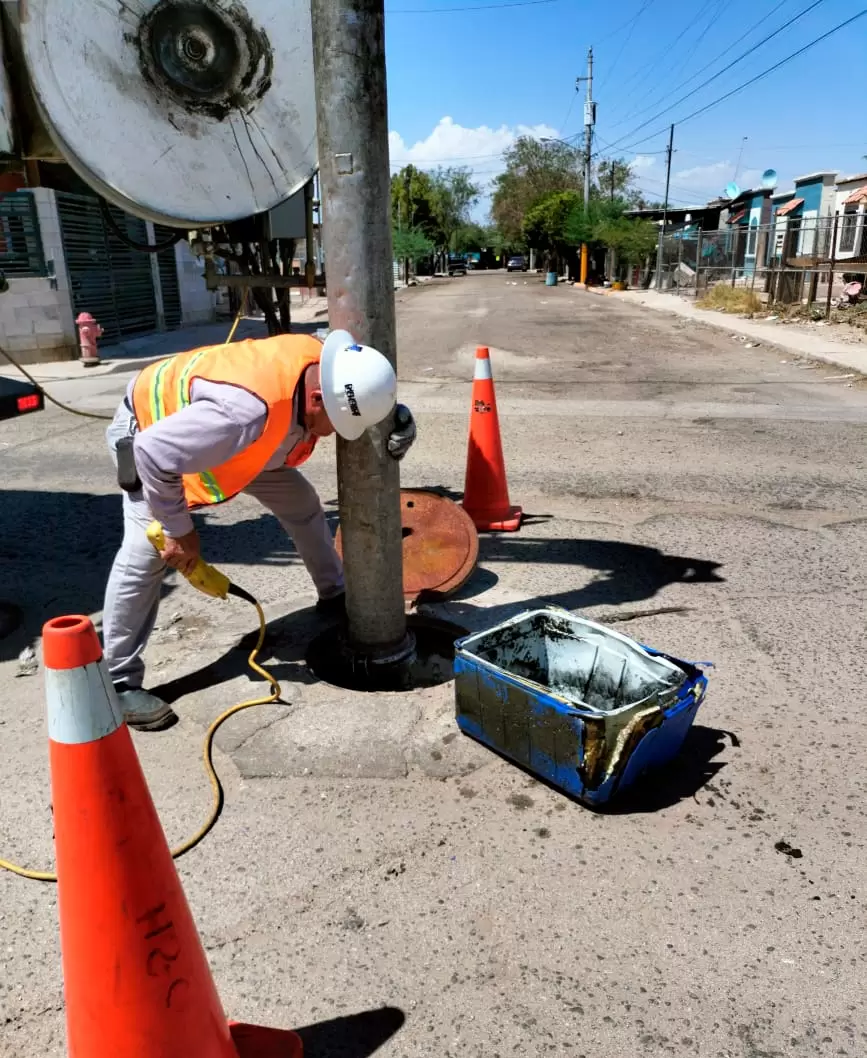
x=268, y=368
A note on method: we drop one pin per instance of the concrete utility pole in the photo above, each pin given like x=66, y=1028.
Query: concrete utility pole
x=669, y=153
x=589, y=122
x=349, y=67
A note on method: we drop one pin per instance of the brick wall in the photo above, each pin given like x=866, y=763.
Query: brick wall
x=36, y=322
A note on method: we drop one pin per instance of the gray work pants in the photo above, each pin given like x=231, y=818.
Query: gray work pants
x=133, y=592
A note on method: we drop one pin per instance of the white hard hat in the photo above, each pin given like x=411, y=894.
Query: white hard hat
x=359, y=387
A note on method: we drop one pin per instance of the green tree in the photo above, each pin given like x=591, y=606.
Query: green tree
x=613, y=179
x=533, y=170
x=470, y=238
x=632, y=239
x=411, y=243
x=412, y=201
x=453, y=196
x=547, y=225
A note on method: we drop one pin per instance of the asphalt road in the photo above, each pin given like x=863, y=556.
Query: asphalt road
x=382, y=881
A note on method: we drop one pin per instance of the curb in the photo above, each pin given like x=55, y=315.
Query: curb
x=856, y=361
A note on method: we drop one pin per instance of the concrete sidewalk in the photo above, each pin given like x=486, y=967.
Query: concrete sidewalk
x=790, y=337
x=118, y=356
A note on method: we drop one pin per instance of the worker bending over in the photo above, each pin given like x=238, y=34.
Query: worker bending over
x=200, y=427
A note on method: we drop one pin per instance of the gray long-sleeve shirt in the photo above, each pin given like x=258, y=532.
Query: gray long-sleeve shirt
x=220, y=421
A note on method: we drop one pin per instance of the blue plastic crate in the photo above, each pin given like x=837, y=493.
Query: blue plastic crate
x=578, y=704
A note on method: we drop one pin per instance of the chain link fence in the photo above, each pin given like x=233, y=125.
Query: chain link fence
x=790, y=261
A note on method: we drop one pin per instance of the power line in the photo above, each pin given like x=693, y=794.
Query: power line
x=759, y=76
x=477, y=7
x=666, y=51
x=725, y=69
x=626, y=40
x=562, y=127
x=698, y=73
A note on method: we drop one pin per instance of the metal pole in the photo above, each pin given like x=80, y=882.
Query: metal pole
x=833, y=256
x=735, y=248
x=589, y=119
x=310, y=263
x=664, y=209
x=349, y=67
x=679, y=259
x=698, y=261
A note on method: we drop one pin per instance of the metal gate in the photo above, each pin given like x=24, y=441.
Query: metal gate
x=169, y=285
x=106, y=277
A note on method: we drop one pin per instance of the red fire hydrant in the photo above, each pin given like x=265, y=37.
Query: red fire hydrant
x=88, y=332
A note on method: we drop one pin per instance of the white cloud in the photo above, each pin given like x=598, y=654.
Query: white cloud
x=479, y=149
x=750, y=178
x=711, y=177
x=451, y=144
x=642, y=162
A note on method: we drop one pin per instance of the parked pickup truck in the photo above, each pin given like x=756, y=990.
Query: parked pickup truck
x=17, y=398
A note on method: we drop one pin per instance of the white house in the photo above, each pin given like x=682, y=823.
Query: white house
x=851, y=207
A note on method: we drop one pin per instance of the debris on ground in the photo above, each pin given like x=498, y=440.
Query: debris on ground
x=28, y=664
x=788, y=850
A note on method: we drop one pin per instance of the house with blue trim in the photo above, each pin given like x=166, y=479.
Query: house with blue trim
x=745, y=217
x=802, y=217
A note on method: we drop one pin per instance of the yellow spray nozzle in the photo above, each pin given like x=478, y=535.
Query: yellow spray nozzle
x=203, y=576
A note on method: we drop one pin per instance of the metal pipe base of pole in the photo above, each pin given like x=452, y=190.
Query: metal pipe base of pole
x=424, y=659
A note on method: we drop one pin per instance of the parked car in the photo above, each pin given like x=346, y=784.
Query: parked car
x=457, y=268
x=517, y=264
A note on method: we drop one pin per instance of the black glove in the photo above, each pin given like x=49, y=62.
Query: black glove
x=403, y=432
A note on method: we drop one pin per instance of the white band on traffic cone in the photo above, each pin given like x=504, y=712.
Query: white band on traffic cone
x=82, y=704
x=483, y=369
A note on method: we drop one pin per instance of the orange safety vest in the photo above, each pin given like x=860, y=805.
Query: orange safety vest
x=269, y=368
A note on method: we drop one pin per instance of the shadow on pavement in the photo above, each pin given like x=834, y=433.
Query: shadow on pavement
x=56, y=551
x=353, y=1036
x=692, y=769
x=631, y=573
x=286, y=640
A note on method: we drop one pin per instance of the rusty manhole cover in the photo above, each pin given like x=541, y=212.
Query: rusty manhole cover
x=440, y=544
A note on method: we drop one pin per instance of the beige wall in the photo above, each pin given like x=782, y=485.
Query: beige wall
x=198, y=304
x=36, y=321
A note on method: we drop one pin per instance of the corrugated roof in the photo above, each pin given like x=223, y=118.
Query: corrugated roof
x=857, y=196
x=790, y=206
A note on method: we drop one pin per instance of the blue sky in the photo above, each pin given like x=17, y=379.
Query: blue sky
x=463, y=83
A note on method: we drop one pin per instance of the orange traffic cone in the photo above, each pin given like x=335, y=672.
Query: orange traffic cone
x=136, y=979
x=486, y=492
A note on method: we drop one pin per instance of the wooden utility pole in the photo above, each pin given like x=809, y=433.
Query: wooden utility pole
x=659, y=248
x=349, y=67
x=589, y=122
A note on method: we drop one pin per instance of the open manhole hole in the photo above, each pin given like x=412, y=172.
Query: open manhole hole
x=10, y=618
x=331, y=659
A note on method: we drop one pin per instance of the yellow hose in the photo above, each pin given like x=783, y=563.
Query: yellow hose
x=208, y=747
x=207, y=757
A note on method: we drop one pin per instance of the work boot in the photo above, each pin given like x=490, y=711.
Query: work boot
x=333, y=608
x=142, y=710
